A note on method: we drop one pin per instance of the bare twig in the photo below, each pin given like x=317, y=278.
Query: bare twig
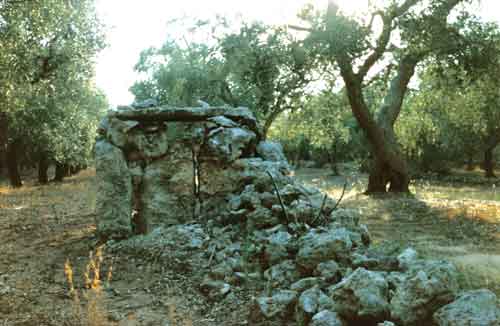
x=341, y=196
x=279, y=196
x=321, y=208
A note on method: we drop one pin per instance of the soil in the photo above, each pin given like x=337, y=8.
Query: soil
x=45, y=227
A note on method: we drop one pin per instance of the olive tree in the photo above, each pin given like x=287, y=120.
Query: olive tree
x=410, y=32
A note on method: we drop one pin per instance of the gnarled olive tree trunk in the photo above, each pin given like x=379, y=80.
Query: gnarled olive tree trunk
x=389, y=170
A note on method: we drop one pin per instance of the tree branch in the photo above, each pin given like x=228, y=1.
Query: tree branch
x=302, y=29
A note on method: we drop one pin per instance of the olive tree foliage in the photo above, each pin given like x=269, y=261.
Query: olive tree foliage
x=47, y=51
x=322, y=130
x=455, y=111
x=448, y=123
x=409, y=32
x=255, y=65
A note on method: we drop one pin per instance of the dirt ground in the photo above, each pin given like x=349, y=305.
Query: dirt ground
x=44, y=228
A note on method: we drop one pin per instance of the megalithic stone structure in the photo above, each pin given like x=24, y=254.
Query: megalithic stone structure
x=164, y=165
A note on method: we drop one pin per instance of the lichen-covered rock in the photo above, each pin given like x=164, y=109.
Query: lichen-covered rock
x=407, y=258
x=306, y=283
x=362, y=296
x=472, y=308
x=277, y=247
x=148, y=103
x=148, y=142
x=377, y=262
x=326, y=318
x=282, y=274
x=425, y=288
x=349, y=219
x=271, y=151
x=117, y=130
x=328, y=270
x=222, y=121
x=114, y=192
x=386, y=323
x=262, y=217
x=166, y=196
x=279, y=306
x=345, y=217
x=256, y=168
x=310, y=302
x=319, y=245
x=229, y=144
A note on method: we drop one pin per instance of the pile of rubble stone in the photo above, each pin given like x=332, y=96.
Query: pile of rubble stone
x=312, y=260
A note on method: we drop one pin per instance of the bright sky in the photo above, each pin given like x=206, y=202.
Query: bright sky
x=135, y=25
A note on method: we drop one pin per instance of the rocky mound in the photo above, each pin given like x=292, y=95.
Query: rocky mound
x=220, y=204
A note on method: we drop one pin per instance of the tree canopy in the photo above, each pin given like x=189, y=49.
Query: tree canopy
x=49, y=104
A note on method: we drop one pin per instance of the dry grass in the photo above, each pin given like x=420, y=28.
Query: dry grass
x=48, y=278
x=92, y=311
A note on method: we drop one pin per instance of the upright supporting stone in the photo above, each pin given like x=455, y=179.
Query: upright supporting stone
x=115, y=184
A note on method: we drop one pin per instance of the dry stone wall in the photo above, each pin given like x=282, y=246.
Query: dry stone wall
x=163, y=165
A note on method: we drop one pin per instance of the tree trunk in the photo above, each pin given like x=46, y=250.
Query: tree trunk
x=60, y=172
x=43, y=167
x=2, y=161
x=470, y=164
x=12, y=165
x=3, y=141
x=74, y=169
x=268, y=121
x=389, y=170
x=489, y=164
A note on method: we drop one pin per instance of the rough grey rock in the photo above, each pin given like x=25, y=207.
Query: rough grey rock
x=386, y=323
x=147, y=143
x=262, y=217
x=308, y=305
x=377, y=262
x=164, y=113
x=278, y=306
x=362, y=296
x=472, y=308
x=229, y=144
x=326, y=318
x=103, y=126
x=349, y=219
x=277, y=247
x=223, y=122
x=329, y=270
x=306, y=283
x=117, y=131
x=407, y=258
x=255, y=168
x=319, y=245
x=184, y=238
x=271, y=151
x=166, y=195
x=203, y=104
x=282, y=274
x=425, y=288
x=114, y=192
x=149, y=103
x=345, y=217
